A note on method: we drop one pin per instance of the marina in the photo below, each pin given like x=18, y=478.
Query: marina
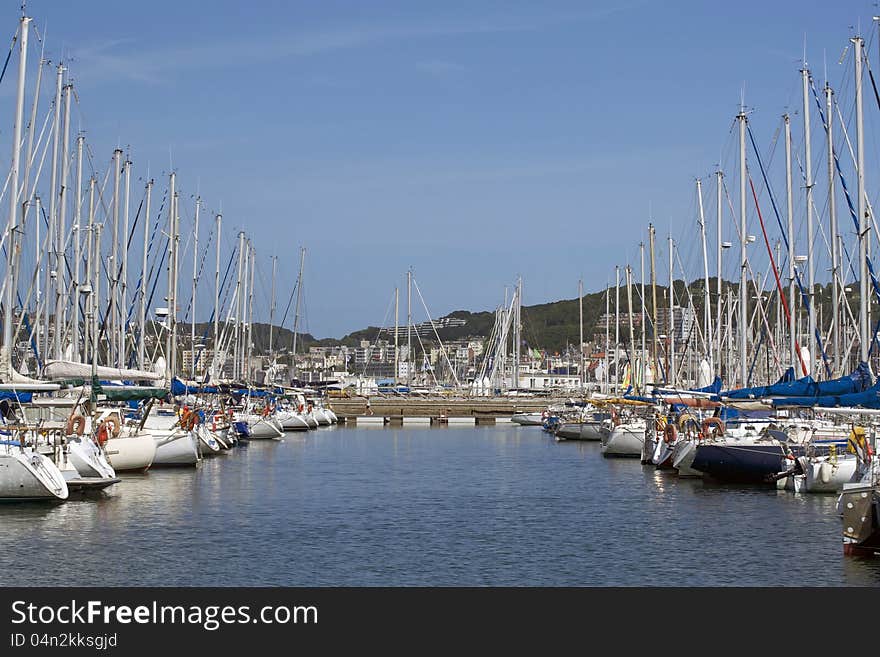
x=707, y=416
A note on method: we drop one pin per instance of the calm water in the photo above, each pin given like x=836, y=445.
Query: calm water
x=502, y=505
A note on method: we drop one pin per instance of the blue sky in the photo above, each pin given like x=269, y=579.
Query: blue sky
x=471, y=141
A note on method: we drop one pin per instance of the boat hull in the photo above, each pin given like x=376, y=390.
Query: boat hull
x=292, y=421
x=826, y=475
x=859, y=508
x=625, y=441
x=131, y=453
x=88, y=459
x=662, y=457
x=683, y=457
x=179, y=448
x=265, y=429
x=579, y=431
x=27, y=475
x=528, y=419
x=742, y=463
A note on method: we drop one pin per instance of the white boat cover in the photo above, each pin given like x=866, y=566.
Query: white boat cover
x=10, y=379
x=59, y=370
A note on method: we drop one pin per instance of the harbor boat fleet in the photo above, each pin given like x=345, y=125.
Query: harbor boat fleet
x=762, y=370
x=92, y=382
x=747, y=381
x=825, y=450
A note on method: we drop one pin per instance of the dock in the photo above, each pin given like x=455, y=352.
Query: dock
x=433, y=411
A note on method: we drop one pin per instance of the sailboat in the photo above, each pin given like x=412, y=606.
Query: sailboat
x=25, y=474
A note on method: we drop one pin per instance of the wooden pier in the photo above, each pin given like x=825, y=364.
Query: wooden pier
x=434, y=411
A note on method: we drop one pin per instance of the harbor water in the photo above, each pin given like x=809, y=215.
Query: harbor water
x=474, y=506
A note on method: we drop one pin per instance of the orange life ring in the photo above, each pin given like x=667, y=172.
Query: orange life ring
x=266, y=411
x=670, y=433
x=76, y=424
x=710, y=422
x=615, y=417
x=117, y=426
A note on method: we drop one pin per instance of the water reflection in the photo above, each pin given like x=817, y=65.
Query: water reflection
x=502, y=505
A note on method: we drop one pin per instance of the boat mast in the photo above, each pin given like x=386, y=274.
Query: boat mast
x=12, y=229
x=272, y=304
x=30, y=146
x=670, y=367
x=396, y=308
x=779, y=299
x=792, y=297
x=607, y=377
x=51, y=246
x=707, y=308
x=91, y=257
x=216, y=360
x=719, y=181
x=95, y=298
x=863, y=223
x=195, y=279
x=517, y=333
x=654, y=360
x=172, y=301
x=244, y=312
x=112, y=320
x=616, y=326
x=832, y=212
x=123, y=277
x=236, y=357
x=808, y=168
x=77, y=250
x=409, y=355
x=27, y=198
x=299, y=282
x=61, y=262
x=632, y=337
x=142, y=314
x=729, y=349
x=581, y=324
x=644, y=369
x=743, y=299
x=250, y=324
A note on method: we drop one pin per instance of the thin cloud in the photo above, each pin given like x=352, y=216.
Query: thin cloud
x=125, y=59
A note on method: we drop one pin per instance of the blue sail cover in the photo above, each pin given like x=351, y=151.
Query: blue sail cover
x=179, y=388
x=23, y=397
x=858, y=381
x=714, y=387
x=869, y=398
x=253, y=393
x=649, y=400
x=788, y=376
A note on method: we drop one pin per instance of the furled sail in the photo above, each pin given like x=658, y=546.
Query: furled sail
x=63, y=370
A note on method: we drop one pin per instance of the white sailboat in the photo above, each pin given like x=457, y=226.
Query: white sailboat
x=24, y=473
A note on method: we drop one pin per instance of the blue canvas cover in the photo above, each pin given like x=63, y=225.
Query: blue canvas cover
x=858, y=381
x=869, y=398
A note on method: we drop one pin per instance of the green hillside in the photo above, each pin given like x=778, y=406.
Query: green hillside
x=551, y=326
